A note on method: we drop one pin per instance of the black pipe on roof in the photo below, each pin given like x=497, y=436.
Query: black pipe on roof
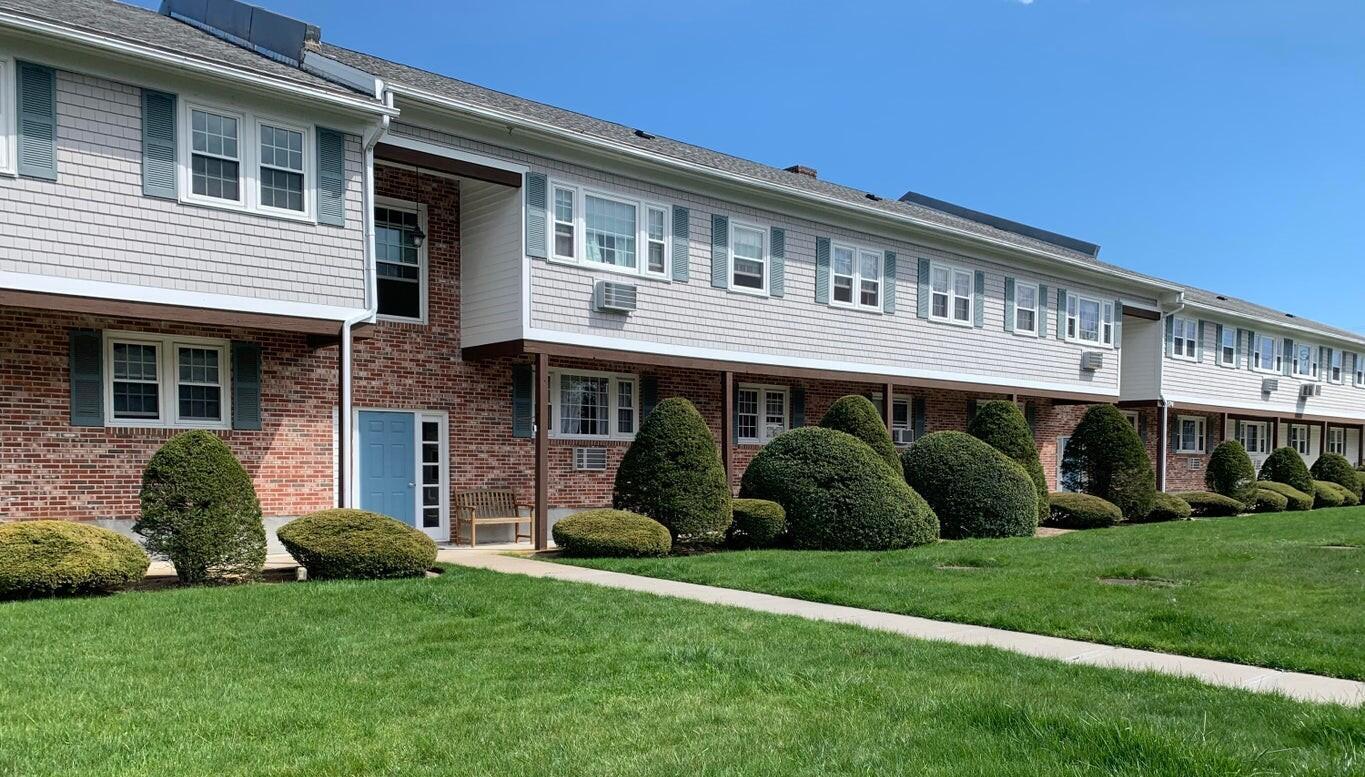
x=1015, y=227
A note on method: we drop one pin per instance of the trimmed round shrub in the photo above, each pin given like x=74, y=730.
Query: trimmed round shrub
x=1267, y=501
x=63, y=558
x=1334, y=467
x=1231, y=473
x=1081, y=511
x=857, y=415
x=672, y=473
x=1001, y=425
x=1297, y=500
x=611, y=533
x=836, y=493
x=1285, y=465
x=1206, y=504
x=1327, y=494
x=1168, y=507
x=758, y=523
x=344, y=543
x=975, y=490
x=199, y=509
x=1106, y=458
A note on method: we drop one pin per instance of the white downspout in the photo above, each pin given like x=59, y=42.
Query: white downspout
x=1164, y=407
x=344, y=425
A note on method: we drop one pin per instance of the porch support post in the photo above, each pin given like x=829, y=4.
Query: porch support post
x=1360, y=445
x=1274, y=433
x=1163, y=430
x=344, y=430
x=727, y=422
x=542, y=416
x=888, y=405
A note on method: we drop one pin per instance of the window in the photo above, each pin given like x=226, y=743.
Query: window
x=7, y=117
x=593, y=404
x=1184, y=337
x=950, y=295
x=431, y=474
x=656, y=247
x=1025, y=309
x=1305, y=366
x=1265, y=357
x=843, y=272
x=856, y=271
x=154, y=380
x=1089, y=320
x=240, y=160
x=1227, y=347
x=902, y=429
x=748, y=267
x=1336, y=440
x=1190, y=434
x=1360, y=368
x=564, y=223
x=1336, y=368
x=1132, y=416
x=281, y=172
x=400, y=265
x=609, y=231
x=1255, y=437
x=215, y=162
x=1298, y=438
x=760, y=413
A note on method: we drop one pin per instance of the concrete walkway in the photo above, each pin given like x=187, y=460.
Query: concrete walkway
x=1305, y=687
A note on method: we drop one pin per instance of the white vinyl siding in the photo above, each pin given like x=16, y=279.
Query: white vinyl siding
x=593, y=405
x=761, y=413
x=157, y=380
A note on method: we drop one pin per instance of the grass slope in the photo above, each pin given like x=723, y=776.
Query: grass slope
x=481, y=674
x=1258, y=590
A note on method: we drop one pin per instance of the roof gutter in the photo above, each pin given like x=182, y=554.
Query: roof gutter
x=187, y=63
x=1297, y=327
x=503, y=117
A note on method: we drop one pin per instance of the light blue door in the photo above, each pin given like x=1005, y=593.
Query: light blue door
x=388, y=483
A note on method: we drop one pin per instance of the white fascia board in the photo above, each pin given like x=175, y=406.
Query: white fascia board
x=415, y=144
x=187, y=63
x=899, y=220
x=1277, y=324
x=342, y=73
x=1180, y=401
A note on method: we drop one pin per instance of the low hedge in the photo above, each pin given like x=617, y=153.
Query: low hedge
x=1267, y=501
x=1168, y=507
x=1327, y=494
x=1068, y=510
x=1206, y=504
x=63, y=558
x=758, y=523
x=355, y=544
x=607, y=532
x=975, y=490
x=1335, y=468
x=1298, y=500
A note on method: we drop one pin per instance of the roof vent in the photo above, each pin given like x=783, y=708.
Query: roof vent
x=873, y=197
x=265, y=32
x=643, y=134
x=802, y=170
x=1220, y=296
x=1290, y=315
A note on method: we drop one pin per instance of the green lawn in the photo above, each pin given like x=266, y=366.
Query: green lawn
x=1258, y=590
x=480, y=674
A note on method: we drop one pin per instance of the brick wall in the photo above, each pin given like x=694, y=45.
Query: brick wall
x=1185, y=471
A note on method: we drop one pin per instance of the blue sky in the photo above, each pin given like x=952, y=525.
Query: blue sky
x=1218, y=142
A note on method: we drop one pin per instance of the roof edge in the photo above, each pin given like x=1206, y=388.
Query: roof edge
x=1298, y=325
x=1008, y=225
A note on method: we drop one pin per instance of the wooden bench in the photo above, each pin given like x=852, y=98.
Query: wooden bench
x=489, y=508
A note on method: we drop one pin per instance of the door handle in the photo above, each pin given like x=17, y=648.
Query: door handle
x=411, y=484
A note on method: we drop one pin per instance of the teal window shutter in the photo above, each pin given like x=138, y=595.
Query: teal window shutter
x=1061, y=314
x=1199, y=344
x=1031, y=416
x=535, y=185
x=86, y=361
x=1142, y=426
x=889, y=282
x=922, y=289
x=1118, y=323
x=37, y=101
x=158, y=144
x=971, y=409
x=649, y=395
x=523, y=408
x=798, y=406
x=822, y=270
x=331, y=177
x=1287, y=367
x=1170, y=335
x=979, y=300
x=720, y=251
x=777, y=262
x=246, y=385
x=682, y=243
x=1042, y=311
x=1009, y=304
x=919, y=416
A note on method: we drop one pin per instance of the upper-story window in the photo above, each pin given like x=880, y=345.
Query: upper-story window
x=749, y=262
x=1227, y=347
x=1089, y=320
x=281, y=167
x=1026, y=308
x=1265, y=357
x=400, y=263
x=565, y=225
x=1298, y=438
x=760, y=413
x=215, y=166
x=593, y=405
x=950, y=294
x=1184, y=337
x=156, y=380
x=656, y=248
x=1190, y=434
x=241, y=160
x=1360, y=369
x=1337, y=366
x=8, y=141
x=1305, y=366
x=856, y=274
x=611, y=231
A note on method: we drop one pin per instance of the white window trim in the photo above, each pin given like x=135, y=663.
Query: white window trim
x=9, y=112
x=1106, y=308
x=421, y=210
x=1327, y=441
x=1359, y=367
x=1236, y=335
x=168, y=380
x=1132, y=416
x=248, y=156
x=1275, y=355
x=952, y=294
x=1314, y=369
x=1200, y=439
x=1330, y=366
x=1307, y=438
x=1263, y=436
x=765, y=256
x=857, y=289
x=762, y=426
x=1037, y=318
x=556, y=389
x=1181, y=322
x=580, y=230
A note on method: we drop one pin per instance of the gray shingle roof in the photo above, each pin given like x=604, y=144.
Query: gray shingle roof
x=139, y=25
x=1243, y=308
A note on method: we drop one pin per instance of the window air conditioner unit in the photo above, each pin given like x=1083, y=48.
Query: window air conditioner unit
x=613, y=297
x=1092, y=361
x=593, y=459
x=1269, y=384
x=901, y=436
x=1310, y=390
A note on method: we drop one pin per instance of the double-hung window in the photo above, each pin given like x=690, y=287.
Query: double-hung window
x=1305, y=366
x=593, y=405
x=215, y=155
x=154, y=380
x=1025, y=309
x=1360, y=368
x=8, y=109
x=281, y=167
x=238, y=159
x=1227, y=347
x=1089, y=321
x=856, y=274
x=1184, y=337
x=902, y=425
x=1298, y=438
x=748, y=258
x=1256, y=437
x=610, y=231
x=565, y=225
x=950, y=293
x=656, y=247
x=1190, y=434
x=399, y=261
x=1336, y=440
x=1264, y=357
x=761, y=413
x=1337, y=366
